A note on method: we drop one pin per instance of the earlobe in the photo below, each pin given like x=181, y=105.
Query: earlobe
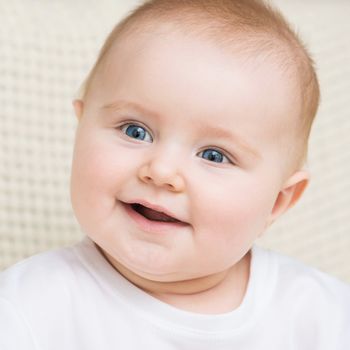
x=78, y=108
x=289, y=194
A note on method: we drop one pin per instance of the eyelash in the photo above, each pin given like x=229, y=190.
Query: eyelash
x=122, y=127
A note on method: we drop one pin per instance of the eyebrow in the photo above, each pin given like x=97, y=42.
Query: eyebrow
x=205, y=130
x=118, y=105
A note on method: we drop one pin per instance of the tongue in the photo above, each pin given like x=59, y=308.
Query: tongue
x=154, y=215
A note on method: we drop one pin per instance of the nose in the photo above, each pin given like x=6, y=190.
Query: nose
x=162, y=173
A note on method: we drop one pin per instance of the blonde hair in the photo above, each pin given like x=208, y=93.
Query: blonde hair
x=252, y=26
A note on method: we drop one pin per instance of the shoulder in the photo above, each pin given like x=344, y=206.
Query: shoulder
x=39, y=274
x=293, y=281
x=310, y=300
x=33, y=292
x=308, y=279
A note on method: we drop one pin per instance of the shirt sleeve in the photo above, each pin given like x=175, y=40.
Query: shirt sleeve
x=14, y=333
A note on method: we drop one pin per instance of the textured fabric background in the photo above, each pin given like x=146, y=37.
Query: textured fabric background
x=46, y=50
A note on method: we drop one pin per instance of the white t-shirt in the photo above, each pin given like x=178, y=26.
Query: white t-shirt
x=72, y=298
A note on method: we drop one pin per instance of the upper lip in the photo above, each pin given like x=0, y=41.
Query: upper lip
x=154, y=207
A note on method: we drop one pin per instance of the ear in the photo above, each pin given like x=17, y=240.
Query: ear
x=78, y=108
x=289, y=194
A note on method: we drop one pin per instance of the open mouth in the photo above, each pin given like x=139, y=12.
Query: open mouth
x=151, y=214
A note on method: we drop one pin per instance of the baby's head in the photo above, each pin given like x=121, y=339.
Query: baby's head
x=201, y=108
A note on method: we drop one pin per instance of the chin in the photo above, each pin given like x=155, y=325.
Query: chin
x=142, y=268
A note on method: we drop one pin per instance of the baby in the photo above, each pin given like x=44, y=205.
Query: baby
x=192, y=135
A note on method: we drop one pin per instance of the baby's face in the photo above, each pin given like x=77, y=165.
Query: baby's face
x=177, y=123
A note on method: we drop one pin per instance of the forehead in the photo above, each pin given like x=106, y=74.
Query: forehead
x=181, y=76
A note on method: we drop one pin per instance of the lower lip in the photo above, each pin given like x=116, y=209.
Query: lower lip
x=149, y=225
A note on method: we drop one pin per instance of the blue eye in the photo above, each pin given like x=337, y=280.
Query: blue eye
x=214, y=156
x=136, y=132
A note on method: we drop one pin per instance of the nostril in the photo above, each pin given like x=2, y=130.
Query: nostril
x=170, y=186
x=147, y=178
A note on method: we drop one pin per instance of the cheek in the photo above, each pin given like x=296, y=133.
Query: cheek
x=234, y=211
x=99, y=163
x=96, y=177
